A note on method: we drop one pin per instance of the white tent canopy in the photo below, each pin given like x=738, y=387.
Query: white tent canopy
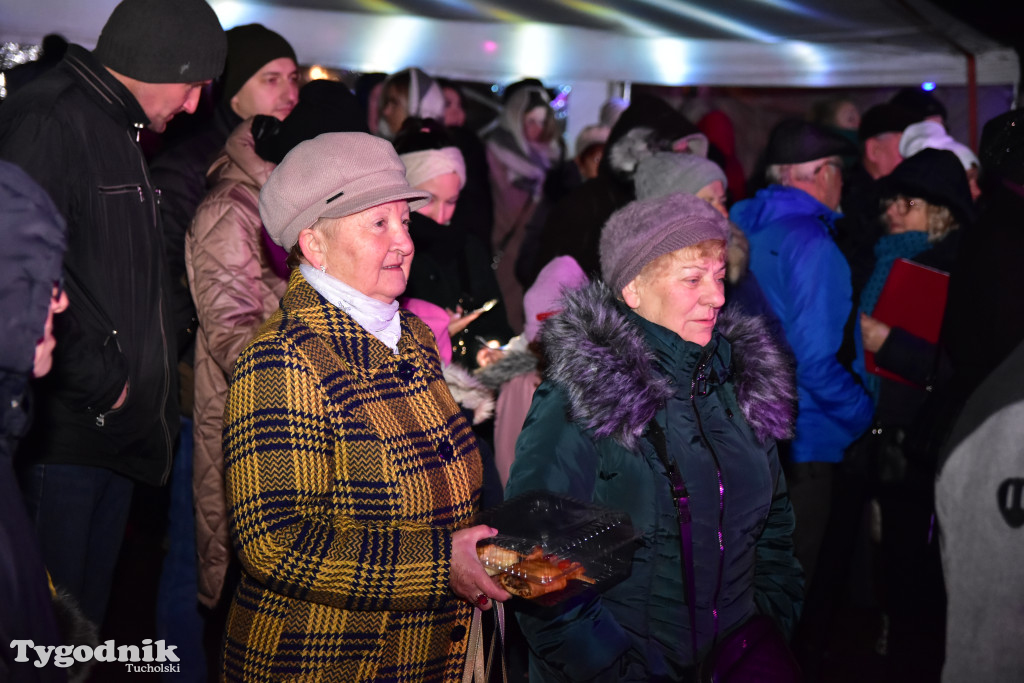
x=808, y=43
x=594, y=48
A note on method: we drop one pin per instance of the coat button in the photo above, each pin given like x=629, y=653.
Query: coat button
x=406, y=370
x=445, y=450
x=458, y=633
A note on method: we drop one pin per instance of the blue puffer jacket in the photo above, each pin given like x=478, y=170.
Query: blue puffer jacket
x=807, y=282
x=610, y=373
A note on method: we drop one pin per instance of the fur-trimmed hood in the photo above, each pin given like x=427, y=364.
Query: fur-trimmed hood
x=469, y=392
x=602, y=361
x=513, y=363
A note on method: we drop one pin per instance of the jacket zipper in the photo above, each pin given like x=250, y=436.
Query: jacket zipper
x=101, y=418
x=168, y=453
x=699, y=387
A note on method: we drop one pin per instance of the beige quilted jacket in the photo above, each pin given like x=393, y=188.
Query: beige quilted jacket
x=235, y=290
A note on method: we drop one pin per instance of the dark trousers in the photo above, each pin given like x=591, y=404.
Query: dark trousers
x=834, y=496
x=178, y=617
x=810, y=493
x=79, y=514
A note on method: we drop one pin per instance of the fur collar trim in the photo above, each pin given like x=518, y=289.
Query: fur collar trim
x=512, y=364
x=604, y=364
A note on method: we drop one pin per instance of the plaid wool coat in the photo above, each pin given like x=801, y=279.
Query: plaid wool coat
x=347, y=470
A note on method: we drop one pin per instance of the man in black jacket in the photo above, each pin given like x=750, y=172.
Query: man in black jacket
x=106, y=415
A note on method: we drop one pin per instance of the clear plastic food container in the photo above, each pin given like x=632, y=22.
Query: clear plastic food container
x=550, y=548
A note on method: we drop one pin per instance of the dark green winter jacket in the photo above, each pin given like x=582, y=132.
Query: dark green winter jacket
x=720, y=407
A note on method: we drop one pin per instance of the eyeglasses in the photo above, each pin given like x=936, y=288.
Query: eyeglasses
x=903, y=204
x=834, y=164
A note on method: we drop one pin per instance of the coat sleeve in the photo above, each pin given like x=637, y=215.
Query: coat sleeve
x=909, y=356
x=288, y=488
x=225, y=274
x=820, y=296
x=778, y=577
x=553, y=454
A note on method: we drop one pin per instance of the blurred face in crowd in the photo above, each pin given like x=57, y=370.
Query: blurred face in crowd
x=44, y=347
x=370, y=251
x=533, y=124
x=906, y=214
x=163, y=101
x=847, y=116
x=394, y=109
x=714, y=194
x=444, y=195
x=882, y=154
x=454, y=114
x=682, y=291
x=271, y=91
x=590, y=161
x=373, y=108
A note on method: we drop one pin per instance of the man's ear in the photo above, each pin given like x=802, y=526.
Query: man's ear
x=312, y=247
x=871, y=150
x=631, y=294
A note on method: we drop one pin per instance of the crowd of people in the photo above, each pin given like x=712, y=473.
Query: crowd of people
x=333, y=325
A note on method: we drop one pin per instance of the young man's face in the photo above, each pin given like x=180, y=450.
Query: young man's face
x=271, y=91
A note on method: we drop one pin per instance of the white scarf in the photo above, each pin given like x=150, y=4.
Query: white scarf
x=376, y=317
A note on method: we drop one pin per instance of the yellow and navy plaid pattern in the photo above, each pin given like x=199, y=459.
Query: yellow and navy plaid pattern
x=347, y=469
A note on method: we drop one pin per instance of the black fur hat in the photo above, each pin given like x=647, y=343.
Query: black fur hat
x=936, y=176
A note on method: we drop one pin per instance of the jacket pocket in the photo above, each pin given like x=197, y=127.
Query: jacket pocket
x=90, y=369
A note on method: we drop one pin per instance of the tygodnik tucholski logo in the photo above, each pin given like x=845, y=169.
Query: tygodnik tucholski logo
x=151, y=656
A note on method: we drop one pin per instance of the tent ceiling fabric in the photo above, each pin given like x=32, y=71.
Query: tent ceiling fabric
x=763, y=20
x=801, y=43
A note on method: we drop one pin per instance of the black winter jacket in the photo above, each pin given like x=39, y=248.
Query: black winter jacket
x=75, y=131
x=179, y=173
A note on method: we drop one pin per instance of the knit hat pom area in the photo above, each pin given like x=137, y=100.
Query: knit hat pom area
x=163, y=41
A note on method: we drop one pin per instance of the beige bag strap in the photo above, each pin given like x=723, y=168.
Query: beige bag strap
x=478, y=667
x=474, y=651
x=498, y=636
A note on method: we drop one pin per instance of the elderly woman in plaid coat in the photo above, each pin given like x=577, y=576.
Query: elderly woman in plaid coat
x=351, y=475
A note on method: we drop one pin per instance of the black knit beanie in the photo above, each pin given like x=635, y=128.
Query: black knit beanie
x=250, y=47
x=163, y=41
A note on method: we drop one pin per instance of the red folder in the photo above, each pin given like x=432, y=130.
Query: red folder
x=913, y=298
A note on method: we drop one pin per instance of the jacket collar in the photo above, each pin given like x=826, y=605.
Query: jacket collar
x=239, y=160
x=359, y=350
x=607, y=363
x=107, y=91
x=777, y=202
